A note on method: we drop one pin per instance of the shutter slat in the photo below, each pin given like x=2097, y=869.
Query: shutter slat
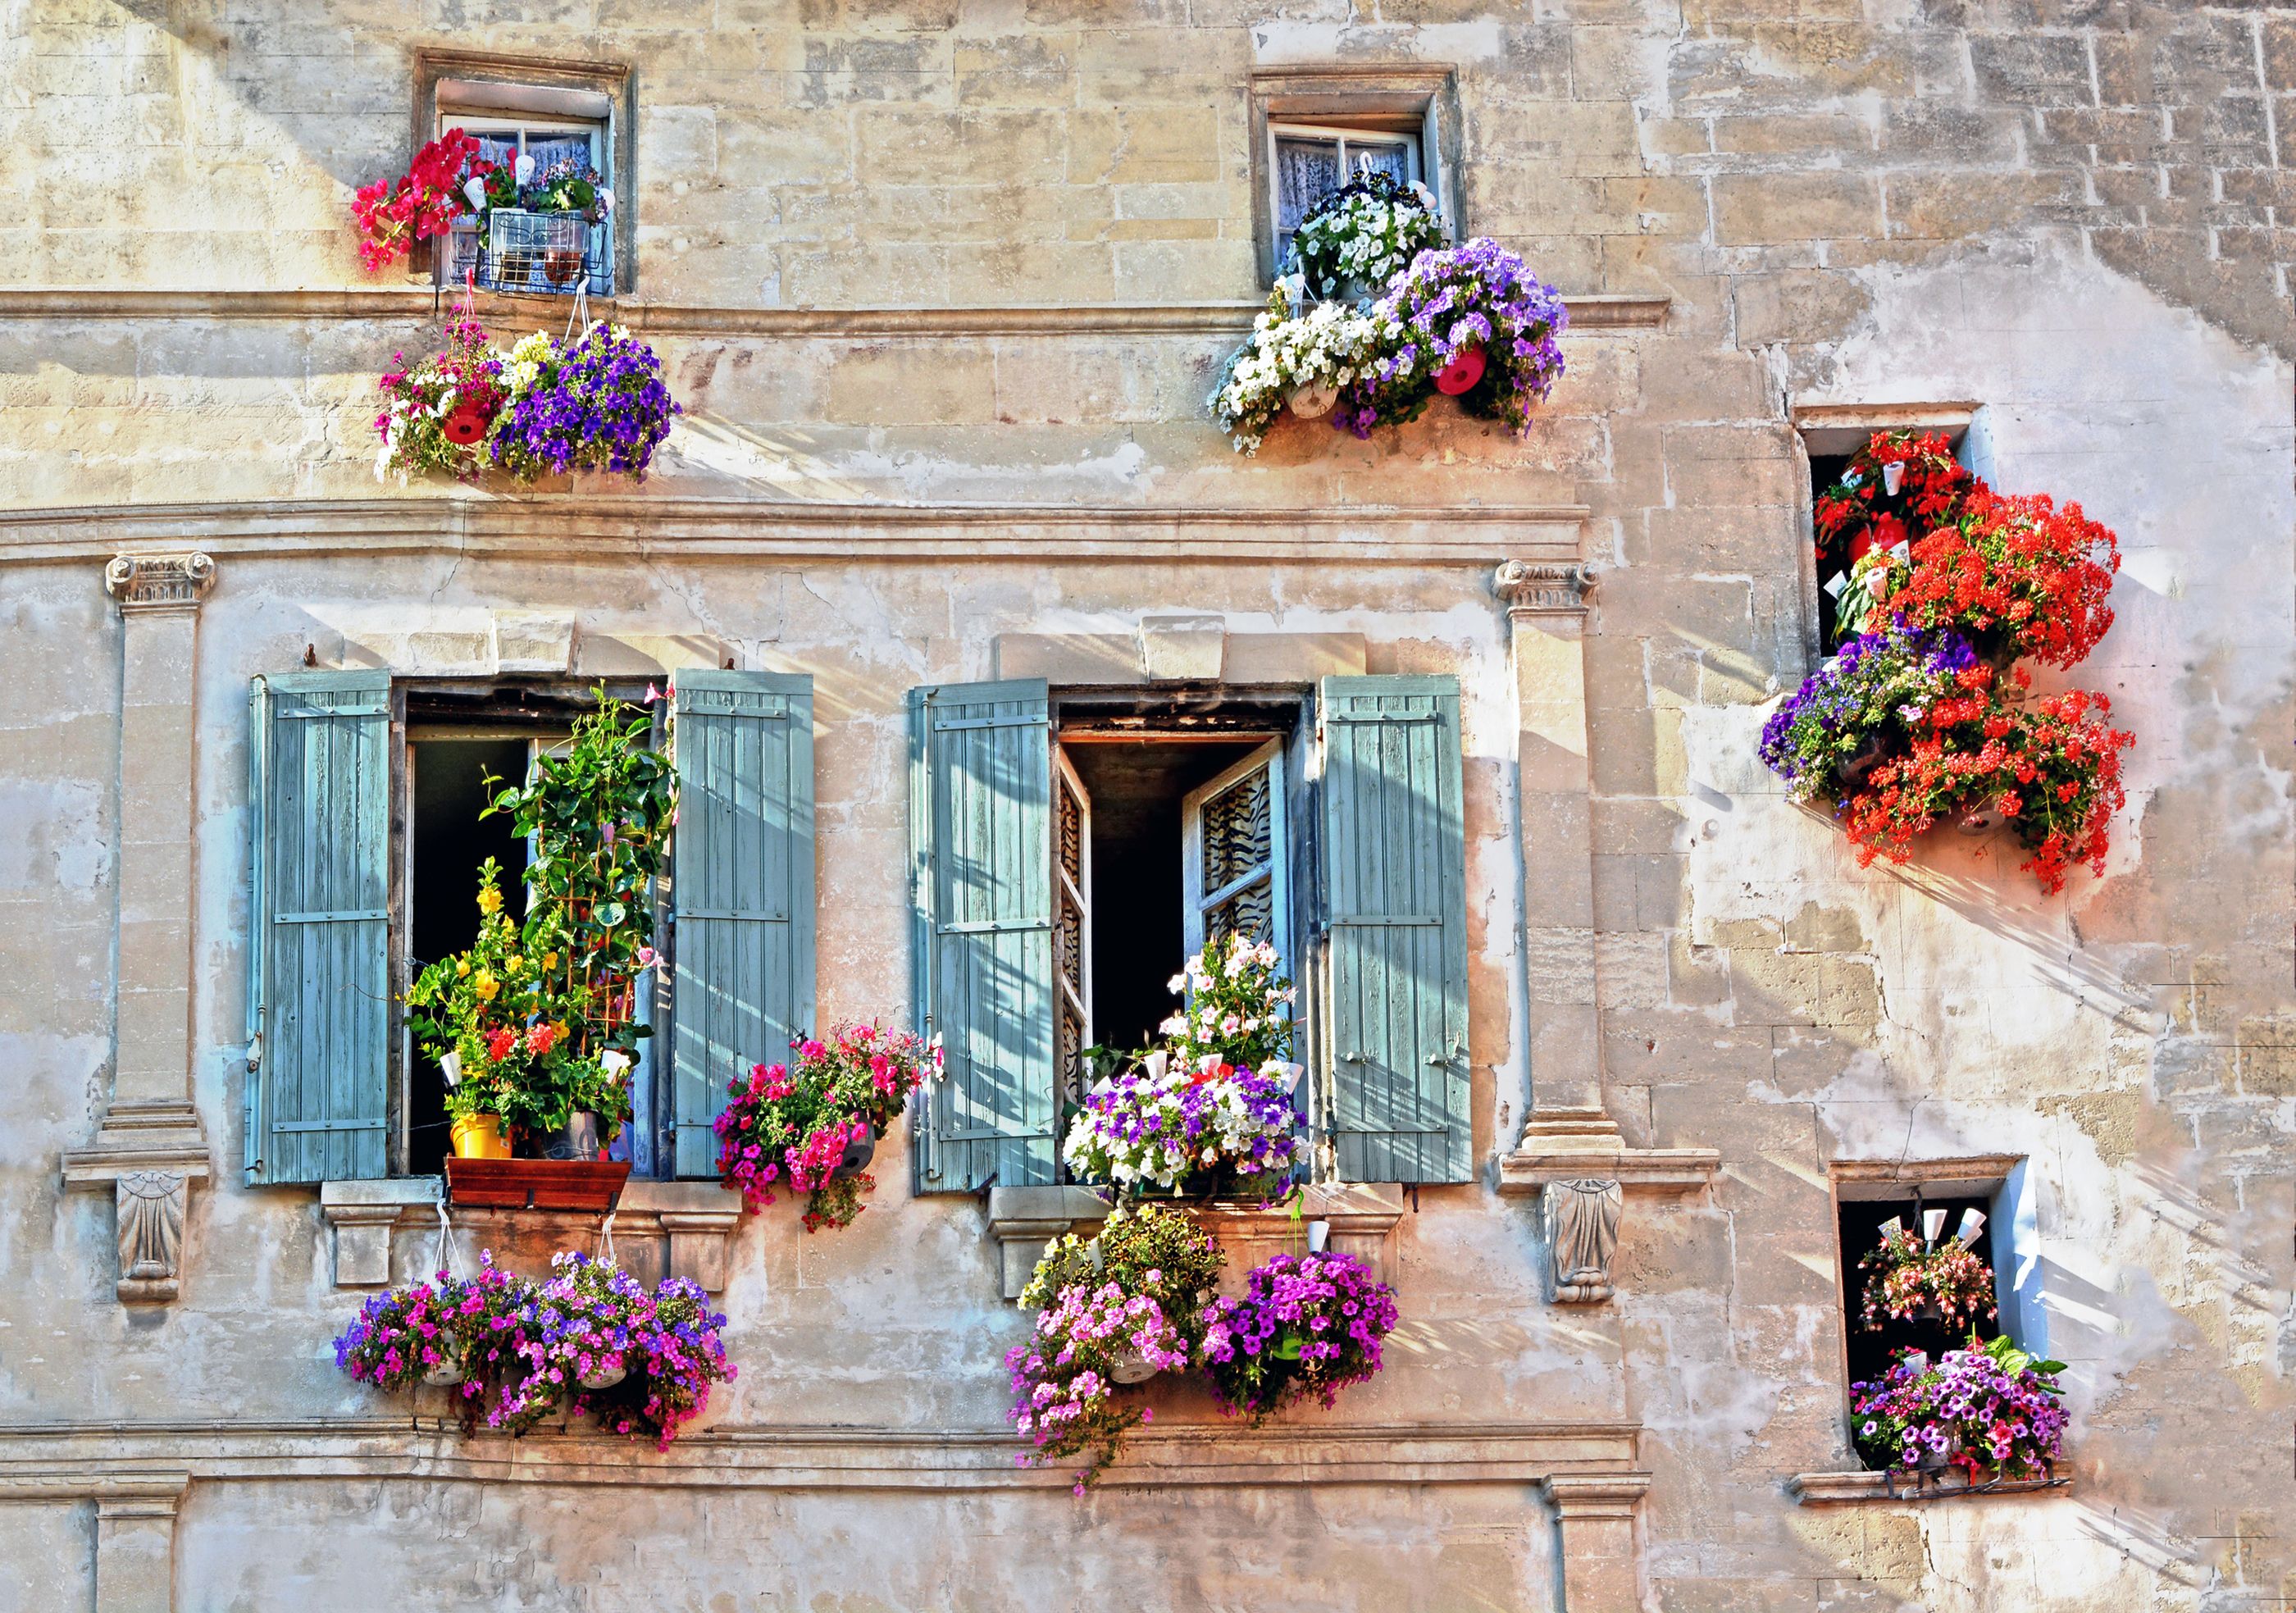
x=742, y=892
x=320, y=971
x=1395, y=871
x=981, y=825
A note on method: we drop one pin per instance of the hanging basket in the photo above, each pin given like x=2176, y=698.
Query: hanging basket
x=1461, y=374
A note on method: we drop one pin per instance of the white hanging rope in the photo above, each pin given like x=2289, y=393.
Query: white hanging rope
x=447, y=1261
x=606, y=1236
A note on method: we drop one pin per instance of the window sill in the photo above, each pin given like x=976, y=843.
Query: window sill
x=1826, y=1489
x=1023, y=1220
x=681, y=1229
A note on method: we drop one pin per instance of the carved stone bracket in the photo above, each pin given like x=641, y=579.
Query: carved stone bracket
x=158, y=582
x=1582, y=1238
x=1544, y=587
x=150, y=1189
x=1579, y=1166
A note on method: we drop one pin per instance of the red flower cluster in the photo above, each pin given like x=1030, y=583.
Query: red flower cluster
x=393, y=215
x=2053, y=770
x=2016, y=577
x=1860, y=513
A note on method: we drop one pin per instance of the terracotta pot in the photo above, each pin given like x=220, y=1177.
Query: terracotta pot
x=1461, y=374
x=479, y=1137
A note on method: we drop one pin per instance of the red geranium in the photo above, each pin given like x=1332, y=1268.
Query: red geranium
x=1860, y=513
x=2016, y=576
x=393, y=215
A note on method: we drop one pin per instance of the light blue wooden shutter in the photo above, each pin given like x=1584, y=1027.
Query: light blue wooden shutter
x=981, y=832
x=1395, y=886
x=319, y=1011
x=741, y=926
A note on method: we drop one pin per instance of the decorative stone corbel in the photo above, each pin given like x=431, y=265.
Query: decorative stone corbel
x=149, y=1146
x=1582, y=1238
x=1594, y=1514
x=1544, y=587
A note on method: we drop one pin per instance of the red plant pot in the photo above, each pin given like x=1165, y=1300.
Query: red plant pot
x=1461, y=374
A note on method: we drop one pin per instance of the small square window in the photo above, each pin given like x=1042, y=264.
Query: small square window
x=552, y=113
x=1830, y=435
x=1315, y=127
x=1307, y=163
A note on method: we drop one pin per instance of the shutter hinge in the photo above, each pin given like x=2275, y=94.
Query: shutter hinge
x=255, y=1052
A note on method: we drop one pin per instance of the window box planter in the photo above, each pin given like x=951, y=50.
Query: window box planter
x=532, y=254
x=543, y=1184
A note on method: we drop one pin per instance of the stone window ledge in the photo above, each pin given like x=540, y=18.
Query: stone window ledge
x=1826, y=1489
x=682, y=1229
x=1363, y=1216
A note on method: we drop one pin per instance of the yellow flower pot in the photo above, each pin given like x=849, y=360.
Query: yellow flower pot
x=479, y=1137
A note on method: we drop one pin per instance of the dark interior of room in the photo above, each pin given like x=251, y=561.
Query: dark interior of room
x=1136, y=788
x=1871, y=1351
x=450, y=839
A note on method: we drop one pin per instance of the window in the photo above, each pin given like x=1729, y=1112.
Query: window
x=550, y=111
x=1990, y=1199
x=1314, y=126
x=1307, y=163
x=1830, y=435
x=1069, y=853
x=365, y=794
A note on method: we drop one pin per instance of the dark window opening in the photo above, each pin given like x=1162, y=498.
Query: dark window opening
x=1824, y=470
x=1871, y=1351
x=448, y=842
x=1136, y=788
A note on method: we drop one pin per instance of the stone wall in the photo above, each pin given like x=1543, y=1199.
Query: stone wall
x=2062, y=214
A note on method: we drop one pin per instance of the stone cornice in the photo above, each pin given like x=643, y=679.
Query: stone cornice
x=611, y=525
x=1591, y=313
x=53, y=1461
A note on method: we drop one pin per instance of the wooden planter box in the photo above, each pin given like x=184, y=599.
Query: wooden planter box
x=567, y=1184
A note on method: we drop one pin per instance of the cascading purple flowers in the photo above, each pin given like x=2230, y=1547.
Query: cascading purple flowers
x=650, y=1357
x=1162, y=1126
x=1307, y=1325
x=1870, y=691
x=1994, y=1408
x=596, y=402
x=1476, y=296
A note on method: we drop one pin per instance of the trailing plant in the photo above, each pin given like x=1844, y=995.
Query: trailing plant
x=1364, y=233
x=596, y=812
x=1906, y=1276
x=2053, y=770
x=1478, y=302
x=1128, y=1301
x=438, y=411
x=523, y=1350
x=1296, y=350
x=1866, y=701
x=1992, y=1407
x=797, y=1123
x=594, y=402
x=2017, y=576
x=392, y=215
x=1307, y=1326
x=1925, y=716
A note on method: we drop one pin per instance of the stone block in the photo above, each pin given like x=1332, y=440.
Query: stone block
x=1795, y=207
x=533, y=641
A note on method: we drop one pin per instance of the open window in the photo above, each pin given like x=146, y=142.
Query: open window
x=568, y=118
x=365, y=795
x=1830, y=435
x=1071, y=852
x=1313, y=128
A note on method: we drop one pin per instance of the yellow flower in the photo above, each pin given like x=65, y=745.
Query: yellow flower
x=558, y=1030
x=550, y=960
x=462, y=967
x=486, y=985
x=489, y=901
x=516, y=965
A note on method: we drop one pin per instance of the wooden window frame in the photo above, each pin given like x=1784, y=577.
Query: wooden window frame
x=483, y=85
x=1370, y=98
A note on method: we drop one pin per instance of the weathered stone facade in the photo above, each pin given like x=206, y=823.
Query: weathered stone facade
x=942, y=286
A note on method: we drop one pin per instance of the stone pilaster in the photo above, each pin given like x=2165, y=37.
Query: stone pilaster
x=149, y=1146
x=1595, y=1515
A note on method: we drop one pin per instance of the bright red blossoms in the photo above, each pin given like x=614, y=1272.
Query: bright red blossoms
x=2016, y=577
x=393, y=215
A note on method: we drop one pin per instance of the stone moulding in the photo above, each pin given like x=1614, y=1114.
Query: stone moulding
x=1589, y=313
x=558, y=524
x=1825, y=1489
x=682, y=1229
x=38, y=1462
x=1363, y=1217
